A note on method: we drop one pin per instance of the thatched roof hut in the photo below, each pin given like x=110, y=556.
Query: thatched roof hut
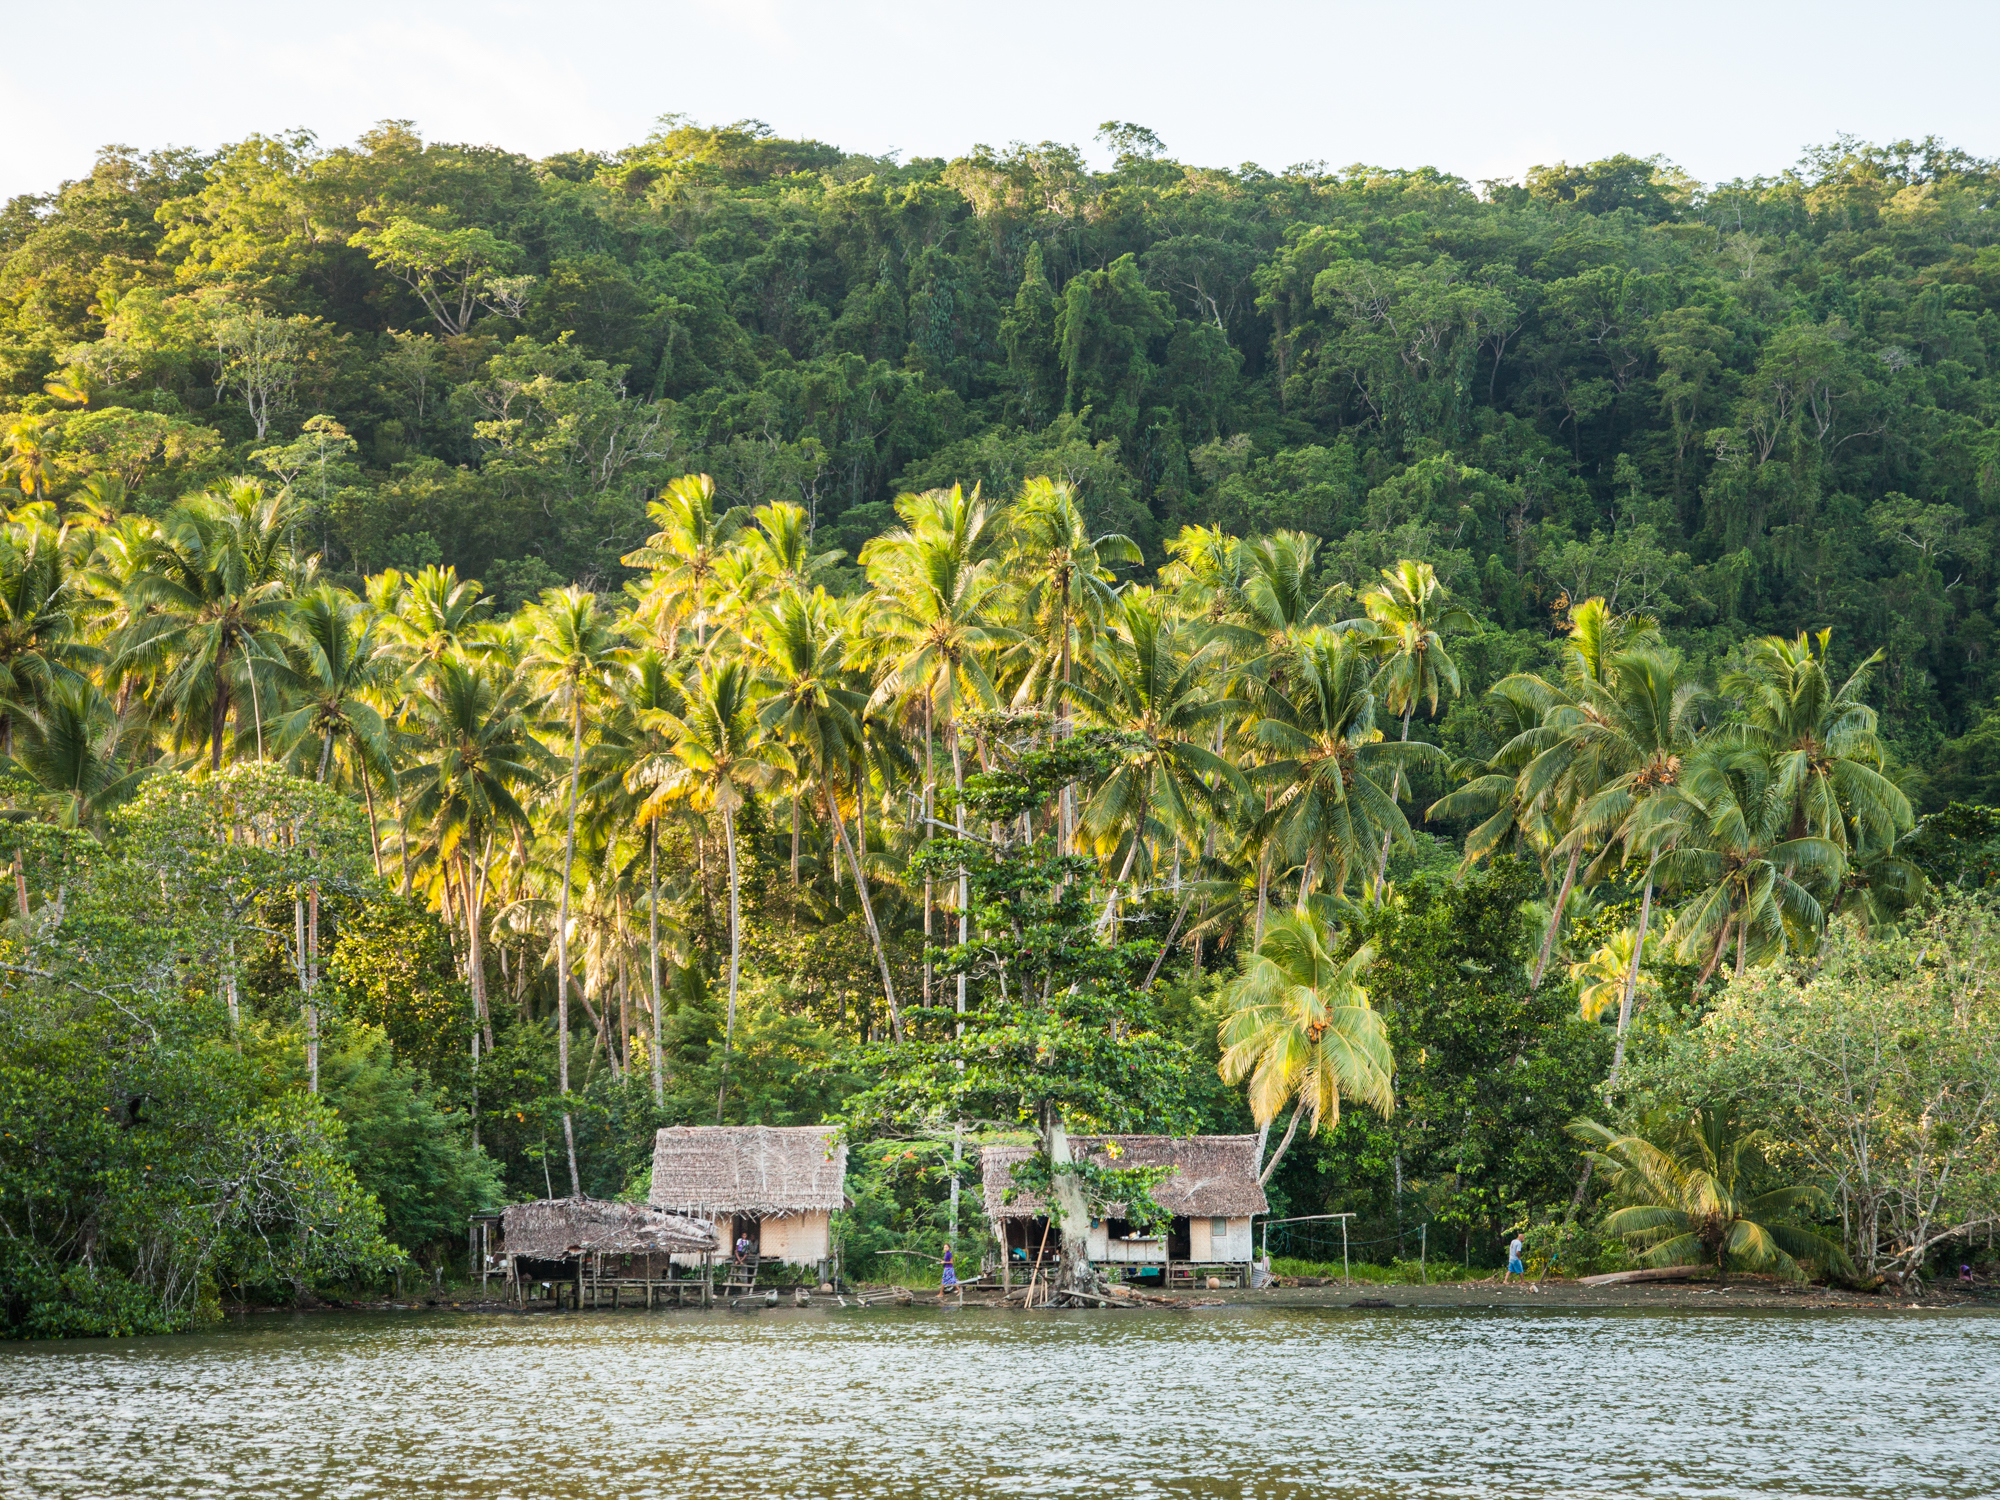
x=769, y=1172
x=562, y=1228
x=1215, y=1175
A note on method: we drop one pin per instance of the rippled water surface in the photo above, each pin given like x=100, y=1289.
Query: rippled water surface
x=1231, y=1402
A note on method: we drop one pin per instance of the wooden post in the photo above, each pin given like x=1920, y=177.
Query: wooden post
x=707, y=1280
x=1346, y=1271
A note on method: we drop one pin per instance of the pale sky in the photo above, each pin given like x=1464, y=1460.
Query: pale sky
x=1482, y=90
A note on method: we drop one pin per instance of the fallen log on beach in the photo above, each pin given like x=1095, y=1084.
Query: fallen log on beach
x=1662, y=1273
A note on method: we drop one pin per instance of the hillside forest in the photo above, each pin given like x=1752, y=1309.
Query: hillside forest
x=1487, y=686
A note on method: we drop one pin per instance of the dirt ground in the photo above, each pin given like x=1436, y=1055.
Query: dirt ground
x=1741, y=1291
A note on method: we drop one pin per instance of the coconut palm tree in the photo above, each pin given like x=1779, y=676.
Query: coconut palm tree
x=571, y=647
x=1300, y=1028
x=339, y=660
x=1821, y=736
x=1409, y=615
x=1144, y=681
x=1066, y=586
x=1628, y=740
x=1563, y=760
x=629, y=738
x=477, y=752
x=72, y=743
x=1742, y=876
x=1694, y=1189
x=683, y=557
x=434, y=611
x=42, y=602
x=1600, y=978
x=936, y=581
x=1327, y=765
x=1208, y=574
x=812, y=705
x=205, y=604
x=719, y=760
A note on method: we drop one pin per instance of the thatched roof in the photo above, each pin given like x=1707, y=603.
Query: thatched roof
x=1217, y=1174
x=557, y=1228
x=765, y=1170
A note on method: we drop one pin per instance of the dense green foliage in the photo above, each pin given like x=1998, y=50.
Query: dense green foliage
x=497, y=656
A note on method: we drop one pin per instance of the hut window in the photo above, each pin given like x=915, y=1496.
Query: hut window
x=1218, y=1228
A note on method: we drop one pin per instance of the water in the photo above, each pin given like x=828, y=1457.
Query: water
x=1236, y=1402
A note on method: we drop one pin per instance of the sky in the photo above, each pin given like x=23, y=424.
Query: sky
x=1481, y=90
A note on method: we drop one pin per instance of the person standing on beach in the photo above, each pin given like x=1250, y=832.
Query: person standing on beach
x=948, y=1278
x=1514, y=1267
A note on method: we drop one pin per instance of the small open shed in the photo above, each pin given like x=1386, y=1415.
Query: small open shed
x=596, y=1246
x=1213, y=1194
x=775, y=1186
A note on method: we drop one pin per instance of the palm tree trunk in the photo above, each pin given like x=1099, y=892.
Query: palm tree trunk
x=735, y=955
x=475, y=940
x=562, y=944
x=624, y=981
x=1279, y=1155
x=1632, y=973
x=653, y=954
x=1111, y=902
x=256, y=708
x=325, y=756
x=868, y=913
x=1715, y=953
x=368, y=799
x=1395, y=791
x=219, y=716
x=1555, y=919
x=929, y=787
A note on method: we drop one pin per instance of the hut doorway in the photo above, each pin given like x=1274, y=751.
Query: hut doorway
x=1178, y=1247
x=746, y=1240
x=1030, y=1241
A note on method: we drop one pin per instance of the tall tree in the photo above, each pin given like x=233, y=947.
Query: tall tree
x=571, y=648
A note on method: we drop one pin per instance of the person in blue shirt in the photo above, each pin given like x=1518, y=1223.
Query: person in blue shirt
x=948, y=1280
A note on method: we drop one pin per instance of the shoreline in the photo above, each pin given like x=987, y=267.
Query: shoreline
x=1741, y=1292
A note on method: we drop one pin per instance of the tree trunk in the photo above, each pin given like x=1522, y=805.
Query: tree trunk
x=1073, y=1211
x=562, y=945
x=735, y=956
x=930, y=784
x=868, y=914
x=653, y=955
x=1632, y=973
x=219, y=718
x=475, y=941
x=624, y=983
x=1279, y=1155
x=368, y=799
x=1395, y=791
x=1555, y=919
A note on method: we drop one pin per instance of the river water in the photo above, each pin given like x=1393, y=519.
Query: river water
x=1238, y=1402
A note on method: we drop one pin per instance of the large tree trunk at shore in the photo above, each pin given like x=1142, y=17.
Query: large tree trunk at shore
x=1072, y=1212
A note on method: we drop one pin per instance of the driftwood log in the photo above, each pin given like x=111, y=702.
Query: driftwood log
x=1662, y=1273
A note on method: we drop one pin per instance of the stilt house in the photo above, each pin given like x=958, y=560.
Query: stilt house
x=1213, y=1195
x=777, y=1187
x=591, y=1243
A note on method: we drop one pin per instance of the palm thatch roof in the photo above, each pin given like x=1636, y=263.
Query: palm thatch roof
x=769, y=1171
x=558, y=1228
x=1215, y=1175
